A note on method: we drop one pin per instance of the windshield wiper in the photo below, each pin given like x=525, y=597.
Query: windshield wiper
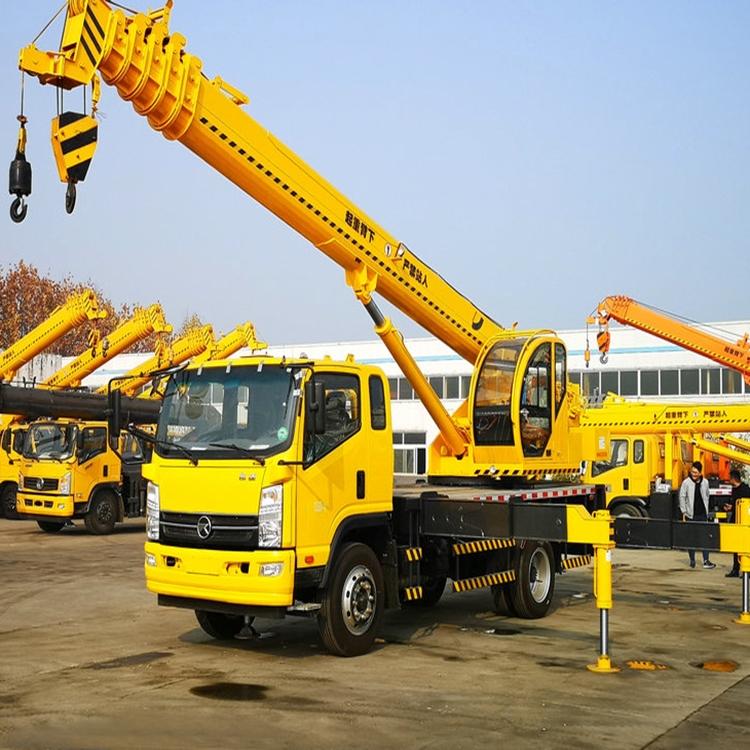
x=241, y=449
x=148, y=437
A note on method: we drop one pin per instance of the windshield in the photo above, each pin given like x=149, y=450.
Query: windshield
x=220, y=412
x=52, y=440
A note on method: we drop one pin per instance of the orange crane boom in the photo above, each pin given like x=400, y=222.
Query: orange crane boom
x=734, y=354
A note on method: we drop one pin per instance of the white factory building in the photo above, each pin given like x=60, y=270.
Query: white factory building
x=639, y=367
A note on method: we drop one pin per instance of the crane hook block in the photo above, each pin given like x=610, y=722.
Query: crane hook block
x=74, y=138
x=19, y=182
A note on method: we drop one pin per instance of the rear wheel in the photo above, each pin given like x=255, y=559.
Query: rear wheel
x=220, y=626
x=352, y=602
x=432, y=590
x=102, y=515
x=8, y=501
x=503, y=599
x=51, y=527
x=627, y=510
x=535, y=580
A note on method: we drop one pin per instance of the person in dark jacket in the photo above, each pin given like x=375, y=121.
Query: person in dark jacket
x=739, y=489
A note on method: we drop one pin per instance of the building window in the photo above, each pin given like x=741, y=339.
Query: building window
x=731, y=382
x=649, y=382
x=690, y=382
x=711, y=381
x=452, y=384
x=410, y=452
x=590, y=385
x=405, y=391
x=670, y=382
x=629, y=383
x=610, y=382
x=437, y=386
x=393, y=388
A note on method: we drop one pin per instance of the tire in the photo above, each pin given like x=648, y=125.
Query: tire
x=503, y=599
x=432, y=590
x=627, y=510
x=102, y=514
x=352, y=602
x=8, y=501
x=535, y=580
x=51, y=527
x=220, y=626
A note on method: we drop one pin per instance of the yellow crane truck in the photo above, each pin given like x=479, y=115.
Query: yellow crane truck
x=76, y=310
x=270, y=486
x=67, y=469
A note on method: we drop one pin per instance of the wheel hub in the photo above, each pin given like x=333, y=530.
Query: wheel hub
x=358, y=600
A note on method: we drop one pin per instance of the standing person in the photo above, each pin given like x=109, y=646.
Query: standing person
x=694, y=504
x=739, y=489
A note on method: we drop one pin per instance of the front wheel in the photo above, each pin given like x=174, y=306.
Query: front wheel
x=8, y=501
x=352, y=602
x=102, y=515
x=220, y=626
x=535, y=580
x=51, y=527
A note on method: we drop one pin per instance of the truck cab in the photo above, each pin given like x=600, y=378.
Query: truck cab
x=68, y=470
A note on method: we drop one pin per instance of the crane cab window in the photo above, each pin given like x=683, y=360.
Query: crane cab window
x=536, y=411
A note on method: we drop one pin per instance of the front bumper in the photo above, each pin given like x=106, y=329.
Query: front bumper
x=48, y=506
x=221, y=575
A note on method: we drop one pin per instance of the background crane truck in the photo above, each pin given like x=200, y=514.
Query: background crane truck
x=638, y=460
x=76, y=310
x=270, y=488
x=90, y=478
x=66, y=469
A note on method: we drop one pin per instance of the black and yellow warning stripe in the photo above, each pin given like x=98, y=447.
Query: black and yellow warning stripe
x=412, y=554
x=412, y=593
x=483, y=545
x=581, y=561
x=481, y=582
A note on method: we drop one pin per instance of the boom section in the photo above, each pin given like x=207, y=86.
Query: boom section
x=143, y=323
x=77, y=309
x=624, y=418
x=195, y=342
x=732, y=354
x=149, y=67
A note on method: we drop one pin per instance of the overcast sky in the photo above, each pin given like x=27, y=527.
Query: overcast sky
x=538, y=155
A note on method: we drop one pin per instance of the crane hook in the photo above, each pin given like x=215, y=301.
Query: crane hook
x=70, y=197
x=18, y=209
x=19, y=177
x=604, y=359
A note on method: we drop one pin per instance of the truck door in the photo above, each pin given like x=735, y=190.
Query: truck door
x=93, y=464
x=335, y=472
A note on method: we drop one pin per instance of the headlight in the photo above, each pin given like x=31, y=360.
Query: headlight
x=152, y=511
x=270, y=516
x=65, y=484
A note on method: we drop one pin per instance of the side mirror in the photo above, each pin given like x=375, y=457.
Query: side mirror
x=114, y=418
x=315, y=412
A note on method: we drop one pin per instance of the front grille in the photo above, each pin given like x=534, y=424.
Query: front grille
x=209, y=531
x=40, y=485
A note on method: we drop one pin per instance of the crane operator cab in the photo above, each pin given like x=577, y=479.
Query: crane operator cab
x=517, y=413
